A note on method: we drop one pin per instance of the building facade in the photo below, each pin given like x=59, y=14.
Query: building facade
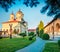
x=53, y=27
x=16, y=24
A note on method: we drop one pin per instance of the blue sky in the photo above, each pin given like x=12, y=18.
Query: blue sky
x=32, y=15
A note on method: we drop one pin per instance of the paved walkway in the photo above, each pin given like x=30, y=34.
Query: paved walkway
x=37, y=46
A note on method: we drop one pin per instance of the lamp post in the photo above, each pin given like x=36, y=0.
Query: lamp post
x=10, y=31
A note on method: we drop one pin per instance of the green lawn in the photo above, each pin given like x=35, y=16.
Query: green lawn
x=51, y=47
x=11, y=45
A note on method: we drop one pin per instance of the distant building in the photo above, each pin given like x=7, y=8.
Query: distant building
x=32, y=30
x=15, y=24
x=53, y=27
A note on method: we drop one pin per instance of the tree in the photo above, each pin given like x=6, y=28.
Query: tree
x=41, y=33
x=41, y=25
x=37, y=31
x=31, y=3
x=6, y=4
x=53, y=6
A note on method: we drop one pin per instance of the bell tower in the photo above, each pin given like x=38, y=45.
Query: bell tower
x=12, y=17
x=19, y=15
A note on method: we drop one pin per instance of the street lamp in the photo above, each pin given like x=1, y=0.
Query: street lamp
x=10, y=30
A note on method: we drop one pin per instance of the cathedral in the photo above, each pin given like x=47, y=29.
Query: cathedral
x=16, y=24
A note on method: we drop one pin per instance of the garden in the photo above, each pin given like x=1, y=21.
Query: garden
x=11, y=45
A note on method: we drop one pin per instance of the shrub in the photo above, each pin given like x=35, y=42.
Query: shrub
x=0, y=37
x=30, y=38
x=22, y=34
x=45, y=36
x=59, y=43
x=31, y=33
x=41, y=33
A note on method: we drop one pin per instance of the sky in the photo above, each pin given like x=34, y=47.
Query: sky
x=32, y=15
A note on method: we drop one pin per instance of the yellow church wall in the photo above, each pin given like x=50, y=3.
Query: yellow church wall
x=6, y=26
x=49, y=28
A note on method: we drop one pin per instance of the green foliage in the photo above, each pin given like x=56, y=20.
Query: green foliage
x=41, y=33
x=22, y=34
x=6, y=4
x=59, y=43
x=0, y=37
x=45, y=36
x=30, y=38
x=31, y=3
x=31, y=33
x=37, y=31
x=52, y=6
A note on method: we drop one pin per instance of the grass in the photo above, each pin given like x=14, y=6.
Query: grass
x=51, y=47
x=11, y=45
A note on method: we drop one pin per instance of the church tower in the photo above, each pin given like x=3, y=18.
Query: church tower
x=19, y=15
x=12, y=17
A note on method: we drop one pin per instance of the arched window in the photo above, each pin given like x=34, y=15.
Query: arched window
x=15, y=31
x=58, y=25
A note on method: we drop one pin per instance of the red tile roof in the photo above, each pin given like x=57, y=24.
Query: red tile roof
x=31, y=29
x=51, y=21
x=12, y=21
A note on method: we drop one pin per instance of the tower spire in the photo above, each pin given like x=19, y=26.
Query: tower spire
x=12, y=16
x=19, y=15
x=19, y=10
x=12, y=12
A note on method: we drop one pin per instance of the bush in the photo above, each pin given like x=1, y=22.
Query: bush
x=0, y=37
x=41, y=33
x=22, y=34
x=45, y=36
x=59, y=43
x=31, y=33
x=30, y=38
